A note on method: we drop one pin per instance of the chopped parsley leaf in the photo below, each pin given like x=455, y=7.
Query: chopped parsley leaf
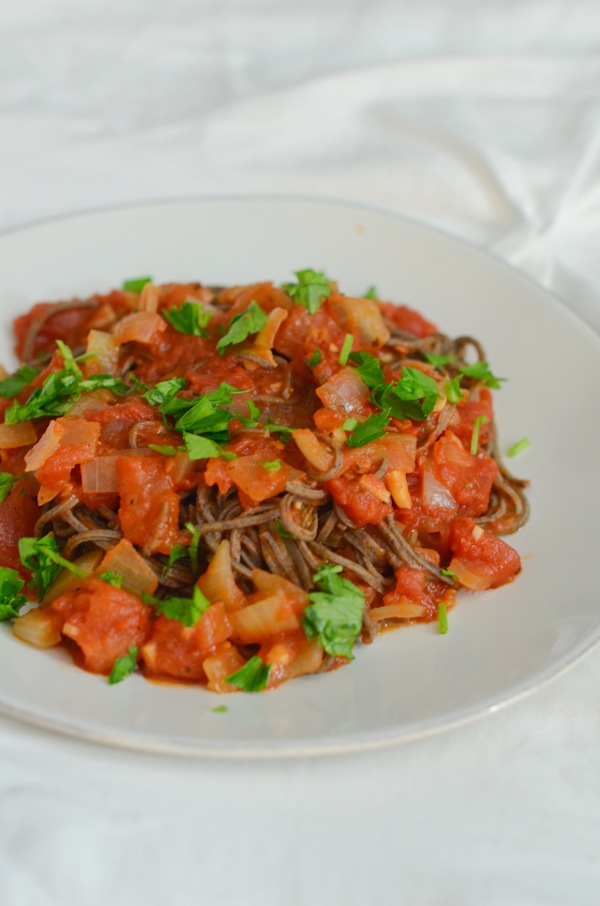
x=220, y=709
x=273, y=465
x=480, y=371
x=453, y=391
x=335, y=613
x=371, y=293
x=11, y=599
x=165, y=449
x=283, y=533
x=372, y=428
x=7, y=481
x=123, y=666
x=42, y=557
x=369, y=369
x=315, y=358
x=12, y=385
x=191, y=318
x=252, y=677
x=310, y=290
x=250, y=420
x=199, y=447
x=413, y=396
x=186, y=611
x=113, y=578
x=438, y=361
x=242, y=325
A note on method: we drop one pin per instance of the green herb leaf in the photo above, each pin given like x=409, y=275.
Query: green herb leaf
x=220, y=709
x=242, y=325
x=519, y=447
x=314, y=359
x=252, y=677
x=273, y=465
x=371, y=293
x=335, y=613
x=372, y=428
x=12, y=385
x=54, y=398
x=310, y=290
x=480, y=371
x=438, y=361
x=369, y=369
x=350, y=424
x=207, y=415
x=199, y=447
x=251, y=420
x=479, y=421
x=11, y=599
x=283, y=533
x=453, y=391
x=196, y=535
x=42, y=557
x=123, y=666
x=165, y=449
x=191, y=318
x=136, y=285
x=164, y=393
x=186, y=611
x=7, y=482
x=413, y=396
x=113, y=578
x=346, y=349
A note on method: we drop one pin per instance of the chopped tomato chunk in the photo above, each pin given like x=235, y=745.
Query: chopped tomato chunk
x=179, y=651
x=481, y=559
x=149, y=509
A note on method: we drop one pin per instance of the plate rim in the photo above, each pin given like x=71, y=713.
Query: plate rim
x=314, y=746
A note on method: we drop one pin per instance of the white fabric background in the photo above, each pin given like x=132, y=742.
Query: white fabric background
x=478, y=117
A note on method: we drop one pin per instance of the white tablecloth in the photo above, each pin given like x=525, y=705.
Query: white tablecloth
x=477, y=117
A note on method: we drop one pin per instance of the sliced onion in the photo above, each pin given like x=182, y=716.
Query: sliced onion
x=399, y=451
x=140, y=326
x=265, y=618
x=397, y=485
x=224, y=662
x=434, y=494
x=138, y=576
x=218, y=583
x=102, y=348
x=312, y=449
x=360, y=317
x=149, y=297
x=14, y=436
x=48, y=443
x=68, y=581
x=38, y=627
x=345, y=393
x=403, y=610
x=271, y=582
x=99, y=476
x=263, y=342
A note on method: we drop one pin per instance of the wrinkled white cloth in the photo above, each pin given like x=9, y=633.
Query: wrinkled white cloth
x=480, y=118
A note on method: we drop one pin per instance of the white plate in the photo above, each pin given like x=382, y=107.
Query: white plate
x=414, y=681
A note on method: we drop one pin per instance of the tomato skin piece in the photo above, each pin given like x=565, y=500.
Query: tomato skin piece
x=468, y=478
x=360, y=504
x=405, y=318
x=19, y=513
x=417, y=586
x=178, y=651
x=488, y=561
x=149, y=509
x=467, y=411
x=103, y=621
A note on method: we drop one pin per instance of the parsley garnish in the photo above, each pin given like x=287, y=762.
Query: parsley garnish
x=252, y=677
x=164, y=393
x=453, y=391
x=164, y=449
x=442, y=618
x=346, y=349
x=220, y=709
x=199, y=447
x=191, y=318
x=123, y=666
x=250, y=420
x=369, y=369
x=413, y=396
x=519, y=447
x=113, y=578
x=371, y=293
x=272, y=465
x=314, y=359
x=12, y=385
x=479, y=421
x=11, y=599
x=7, y=481
x=283, y=533
x=310, y=290
x=42, y=557
x=242, y=325
x=186, y=611
x=206, y=415
x=438, y=361
x=335, y=613
x=196, y=534
x=480, y=371
x=350, y=424
x=136, y=285
x=372, y=428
